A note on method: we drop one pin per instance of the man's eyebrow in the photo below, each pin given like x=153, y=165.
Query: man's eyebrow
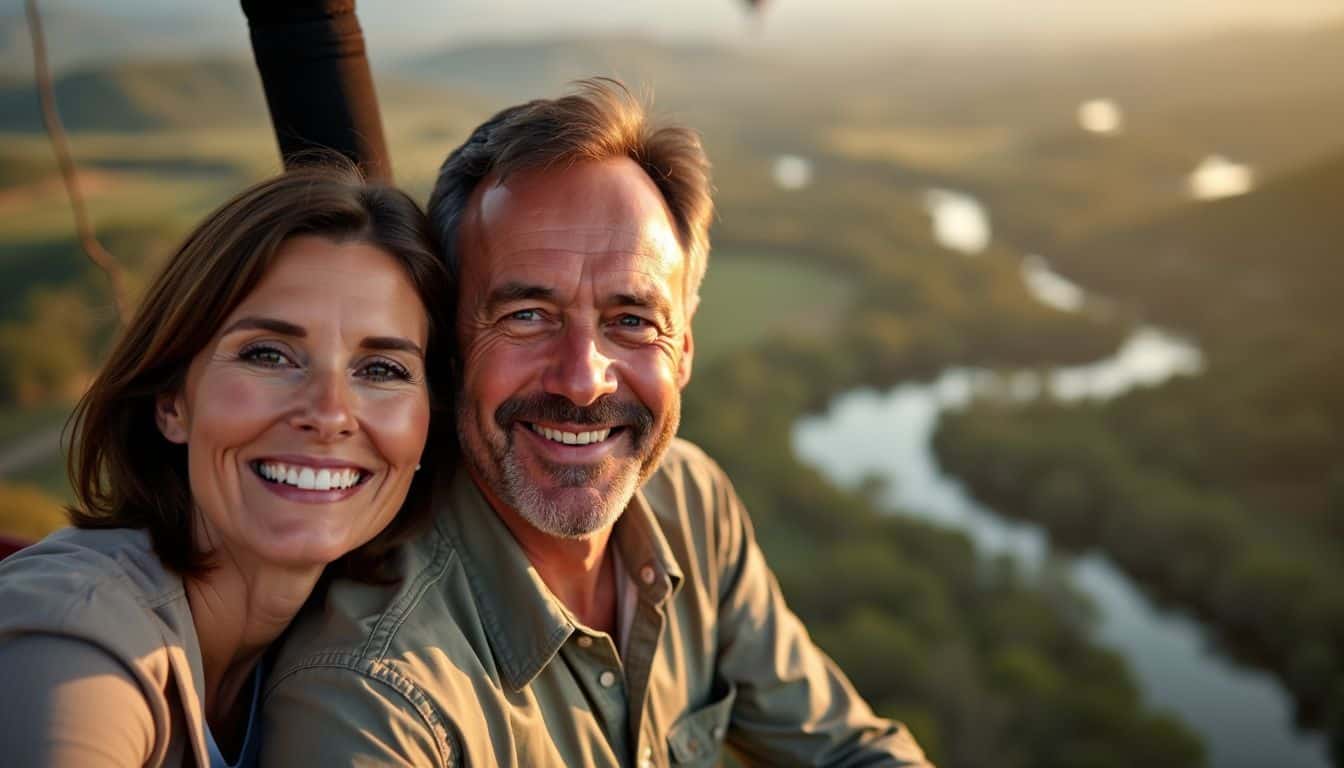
x=392, y=344
x=266, y=324
x=516, y=291
x=647, y=299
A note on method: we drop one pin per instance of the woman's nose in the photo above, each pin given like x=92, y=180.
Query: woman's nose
x=325, y=408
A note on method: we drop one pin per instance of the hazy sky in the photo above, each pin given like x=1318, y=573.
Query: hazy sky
x=426, y=22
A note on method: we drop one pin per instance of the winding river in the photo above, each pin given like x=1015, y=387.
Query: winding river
x=1243, y=714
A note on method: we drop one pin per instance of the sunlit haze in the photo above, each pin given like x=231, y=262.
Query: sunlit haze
x=848, y=22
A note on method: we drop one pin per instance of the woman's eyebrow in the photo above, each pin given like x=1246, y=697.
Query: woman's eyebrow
x=285, y=328
x=392, y=343
x=266, y=324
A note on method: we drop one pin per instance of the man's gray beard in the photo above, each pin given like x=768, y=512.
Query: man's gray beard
x=567, y=513
x=578, y=516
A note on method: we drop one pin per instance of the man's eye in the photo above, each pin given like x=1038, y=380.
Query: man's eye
x=631, y=321
x=266, y=356
x=526, y=315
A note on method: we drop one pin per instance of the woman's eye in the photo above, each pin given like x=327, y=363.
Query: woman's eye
x=269, y=357
x=384, y=370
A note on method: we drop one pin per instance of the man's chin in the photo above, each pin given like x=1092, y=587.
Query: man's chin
x=566, y=517
x=571, y=511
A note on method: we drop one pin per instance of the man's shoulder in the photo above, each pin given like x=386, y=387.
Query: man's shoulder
x=687, y=465
x=357, y=624
x=419, y=626
x=693, y=501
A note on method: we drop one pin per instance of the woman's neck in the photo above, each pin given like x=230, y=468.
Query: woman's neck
x=239, y=609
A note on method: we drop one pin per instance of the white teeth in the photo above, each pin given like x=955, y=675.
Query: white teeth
x=309, y=478
x=572, y=438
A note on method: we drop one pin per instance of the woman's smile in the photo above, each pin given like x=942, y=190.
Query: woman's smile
x=310, y=480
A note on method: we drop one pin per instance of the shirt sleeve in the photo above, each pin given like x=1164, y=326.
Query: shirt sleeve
x=68, y=704
x=793, y=706
x=334, y=715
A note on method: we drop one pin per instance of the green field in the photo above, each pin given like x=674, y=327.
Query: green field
x=747, y=298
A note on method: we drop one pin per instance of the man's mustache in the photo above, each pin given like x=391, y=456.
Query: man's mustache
x=606, y=411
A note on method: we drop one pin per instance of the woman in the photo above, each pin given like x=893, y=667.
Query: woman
x=264, y=415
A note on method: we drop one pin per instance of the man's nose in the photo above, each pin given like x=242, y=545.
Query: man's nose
x=580, y=372
x=325, y=408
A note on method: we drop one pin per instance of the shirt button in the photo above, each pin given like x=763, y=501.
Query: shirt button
x=646, y=574
x=717, y=733
x=607, y=679
x=585, y=641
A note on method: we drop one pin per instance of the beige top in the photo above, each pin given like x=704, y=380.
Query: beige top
x=470, y=660
x=99, y=660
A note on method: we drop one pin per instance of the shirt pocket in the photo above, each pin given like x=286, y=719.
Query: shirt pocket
x=696, y=739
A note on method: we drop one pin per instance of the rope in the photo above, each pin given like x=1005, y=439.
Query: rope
x=61, y=146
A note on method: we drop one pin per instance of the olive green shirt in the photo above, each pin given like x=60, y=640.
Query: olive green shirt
x=470, y=660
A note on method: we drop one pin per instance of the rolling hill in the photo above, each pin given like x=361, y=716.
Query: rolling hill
x=524, y=69
x=138, y=96
x=80, y=38
x=1264, y=263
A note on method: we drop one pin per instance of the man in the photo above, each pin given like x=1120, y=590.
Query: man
x=591, y=592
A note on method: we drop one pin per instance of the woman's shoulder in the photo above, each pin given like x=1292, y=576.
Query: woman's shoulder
x=100, y=584
x=94, y=630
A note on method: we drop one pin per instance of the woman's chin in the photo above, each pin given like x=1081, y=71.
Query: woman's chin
x=303, y=548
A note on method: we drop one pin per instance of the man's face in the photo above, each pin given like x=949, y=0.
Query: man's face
x=574, y=338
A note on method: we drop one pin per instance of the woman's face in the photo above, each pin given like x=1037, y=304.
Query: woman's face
x=305, y=416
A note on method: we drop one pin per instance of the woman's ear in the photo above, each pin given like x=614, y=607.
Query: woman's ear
x=170, y=415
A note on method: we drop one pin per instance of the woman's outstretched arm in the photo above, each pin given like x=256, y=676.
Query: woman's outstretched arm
x=68, y=704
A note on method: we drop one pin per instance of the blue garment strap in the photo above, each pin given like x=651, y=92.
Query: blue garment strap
x=247, y=756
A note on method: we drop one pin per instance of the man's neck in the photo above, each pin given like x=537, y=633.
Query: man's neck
x=577, y=571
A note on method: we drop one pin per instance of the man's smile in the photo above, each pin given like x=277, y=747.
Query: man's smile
x=585, y=437
x=571, y=445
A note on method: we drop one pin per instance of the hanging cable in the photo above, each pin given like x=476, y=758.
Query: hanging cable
x=61, y=146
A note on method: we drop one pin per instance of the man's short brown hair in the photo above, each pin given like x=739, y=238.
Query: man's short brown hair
x=601, y=120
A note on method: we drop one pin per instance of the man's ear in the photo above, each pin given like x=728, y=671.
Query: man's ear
x=170, y=416
x=687, y=357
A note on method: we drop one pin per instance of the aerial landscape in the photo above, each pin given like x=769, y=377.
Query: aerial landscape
x=1021, y=355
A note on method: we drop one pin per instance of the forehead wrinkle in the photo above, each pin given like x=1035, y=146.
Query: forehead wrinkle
x=590, y=240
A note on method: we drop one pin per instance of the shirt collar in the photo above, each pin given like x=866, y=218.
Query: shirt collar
x=645, y=552
x=526, y=624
